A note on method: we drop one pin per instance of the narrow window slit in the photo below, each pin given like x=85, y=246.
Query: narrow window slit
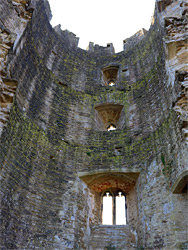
x=120, y=209
x=111, y=127
x=111, y=83
x=107, y=218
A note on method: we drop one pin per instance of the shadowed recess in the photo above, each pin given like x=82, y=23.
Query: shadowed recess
x=108, y=114
x=116, y=180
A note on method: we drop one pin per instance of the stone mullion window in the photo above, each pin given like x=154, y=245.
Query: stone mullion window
x=114, y=210
x=121, y=208
x=111, y=209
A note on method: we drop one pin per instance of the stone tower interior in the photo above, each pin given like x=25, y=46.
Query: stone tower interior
x=76, y=124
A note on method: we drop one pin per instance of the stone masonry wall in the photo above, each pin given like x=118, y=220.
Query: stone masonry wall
x=51, y=141
x=14, y=18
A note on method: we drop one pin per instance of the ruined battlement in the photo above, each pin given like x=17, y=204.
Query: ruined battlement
x=71, y=38
x=108, y=50
x=133, y=40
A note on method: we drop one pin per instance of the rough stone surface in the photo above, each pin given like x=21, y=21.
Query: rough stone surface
x=114, y=237
x=136, y=38
x=56, y=156
x=14, y=17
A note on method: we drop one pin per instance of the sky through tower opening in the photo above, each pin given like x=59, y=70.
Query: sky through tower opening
x=114, y=209
x=91, y=23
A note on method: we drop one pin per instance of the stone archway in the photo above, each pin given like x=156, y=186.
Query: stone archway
x=114, y=181
x=181, y=183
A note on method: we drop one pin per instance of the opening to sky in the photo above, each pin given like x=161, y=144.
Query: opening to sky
x=119, y=206
x=102, y=21
x=107, y=218
x=120, y=210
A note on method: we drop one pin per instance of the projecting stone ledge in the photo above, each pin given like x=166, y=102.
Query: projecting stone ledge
x=118, y=236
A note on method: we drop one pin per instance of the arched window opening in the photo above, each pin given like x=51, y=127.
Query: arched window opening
x=109, y=116
x=120, y=209
x=110, y=75
x=114, y=210
x=111, y=127
x=111, y=83
x=181, y=184
x=107, y=218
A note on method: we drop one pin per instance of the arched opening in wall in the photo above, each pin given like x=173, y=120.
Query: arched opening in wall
x=110, y=75
x=107, y=210
x=121, y=209
x=109, y=117
x=115, y=197
x=114, y=208
x=111, y=127
x=111, y=83
x=181, y=184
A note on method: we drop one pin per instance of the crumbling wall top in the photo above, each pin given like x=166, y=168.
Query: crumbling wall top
x=133, y=40
x=69, y=36
x=109, y=49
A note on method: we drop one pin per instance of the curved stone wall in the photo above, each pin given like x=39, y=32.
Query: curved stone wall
x=53, y=147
